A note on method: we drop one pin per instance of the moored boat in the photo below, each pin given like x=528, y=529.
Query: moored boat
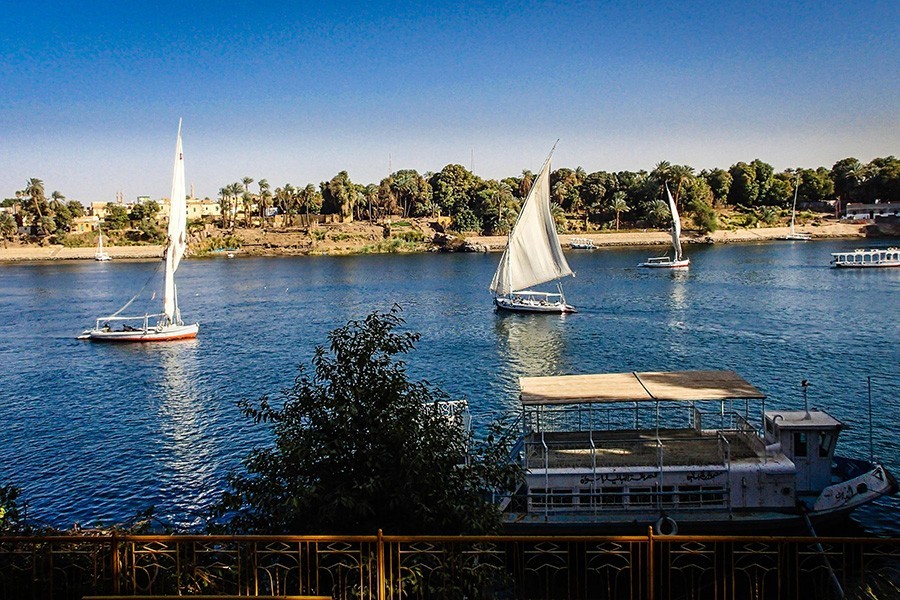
x=582, y=244
x=794, y=235
x=677, y=451
x=99, y=254
x=867, y=258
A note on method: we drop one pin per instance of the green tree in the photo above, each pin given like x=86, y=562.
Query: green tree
x=453, y=190
x=719, y=182
x=619, y=205
x=116, y=216
x=339, y=195
x=847, y=175
x=359, y=447
x=8, y=227
x=265, y=199
x=882, y=180
x=36, y=208
x=76, y=208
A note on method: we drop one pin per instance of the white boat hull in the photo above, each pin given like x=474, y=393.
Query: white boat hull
x=659, y=263
x=532, y=306
x=166, y=333
x=798, y=237
x=102, y=257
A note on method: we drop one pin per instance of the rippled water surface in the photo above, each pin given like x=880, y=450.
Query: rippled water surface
x=96, y=432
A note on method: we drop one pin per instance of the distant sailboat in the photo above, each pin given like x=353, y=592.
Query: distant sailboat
x=794, y=235
x=678, y=261
x=166, y=325
x=100, y=254
x=533, y=256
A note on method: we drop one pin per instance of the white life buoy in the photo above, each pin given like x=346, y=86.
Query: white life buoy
x=665, y=526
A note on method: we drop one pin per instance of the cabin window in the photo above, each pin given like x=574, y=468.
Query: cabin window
x=800, y=443
x=826, y=443
x=667, y=496
x=689, y=495
x=586, y=497
x=713, y=495
x=612, y=496
x=542, y=498
x=770, y=427
x=640, y=495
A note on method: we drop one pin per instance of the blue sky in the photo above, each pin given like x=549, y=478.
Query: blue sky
x=91, y=92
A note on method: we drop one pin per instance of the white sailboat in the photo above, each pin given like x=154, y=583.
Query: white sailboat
x=795, y=235
x=678, y=261
x=166, y=325
x=100, y=254
x=533, y=256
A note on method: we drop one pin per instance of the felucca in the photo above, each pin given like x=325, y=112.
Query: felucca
x=167, y=325
x=533, y=256
x=677, y=261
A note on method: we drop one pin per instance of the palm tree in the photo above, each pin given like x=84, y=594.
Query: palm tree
x=35, y=190
x=619, y=205
x=265, y=199
x=224, y=205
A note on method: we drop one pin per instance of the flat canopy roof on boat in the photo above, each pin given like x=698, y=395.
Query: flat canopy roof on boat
x=636, y=387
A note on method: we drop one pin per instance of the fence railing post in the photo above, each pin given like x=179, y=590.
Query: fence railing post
x=382, y=592
x=651, y=574
x=115, y=566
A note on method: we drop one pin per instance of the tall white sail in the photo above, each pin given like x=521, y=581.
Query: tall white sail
x=177, y=232
x=676, y=225
x=794, y=207
x=533, y=254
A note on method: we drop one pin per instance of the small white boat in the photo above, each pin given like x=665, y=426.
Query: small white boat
x=867, y=258
x=167, y=325
x=796, y=235
x=678, y=450
x=582, y=244
x=677, y=261
x=533, y=256
x=100, y=255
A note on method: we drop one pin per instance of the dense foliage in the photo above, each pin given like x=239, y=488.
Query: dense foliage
x=583, y=201
x=359, y=447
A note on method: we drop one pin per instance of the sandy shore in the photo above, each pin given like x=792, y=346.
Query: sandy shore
x=657, y=238
x=495, y=243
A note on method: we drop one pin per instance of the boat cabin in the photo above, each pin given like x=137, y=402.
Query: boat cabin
x=808, y=438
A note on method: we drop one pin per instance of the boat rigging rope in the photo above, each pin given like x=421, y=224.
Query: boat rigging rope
x=135, y=297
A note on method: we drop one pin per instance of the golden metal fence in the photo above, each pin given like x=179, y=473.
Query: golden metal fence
x=385, y=567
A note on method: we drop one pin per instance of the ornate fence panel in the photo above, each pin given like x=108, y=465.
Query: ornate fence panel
x=401, y=567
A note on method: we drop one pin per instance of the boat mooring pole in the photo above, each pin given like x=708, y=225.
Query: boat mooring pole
x=821, y=551
x=805, y=384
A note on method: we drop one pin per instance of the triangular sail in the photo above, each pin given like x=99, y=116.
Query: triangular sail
x=676, y=225
x=177, y=232
x=794, y=207
x=533, y=254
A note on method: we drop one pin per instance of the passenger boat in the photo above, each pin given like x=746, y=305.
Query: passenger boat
x=533, y=256
x=677, y=451
x=167, y=325
x=582, y=244
x=677, y=260
x=867, y=259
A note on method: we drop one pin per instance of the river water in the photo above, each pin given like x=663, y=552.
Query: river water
x=95, y=433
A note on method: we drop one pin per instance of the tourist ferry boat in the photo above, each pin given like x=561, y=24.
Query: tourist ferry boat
x=867, y=259
x=677, y=451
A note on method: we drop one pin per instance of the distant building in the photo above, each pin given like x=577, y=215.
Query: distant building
x=85, y=224
x=870, y=212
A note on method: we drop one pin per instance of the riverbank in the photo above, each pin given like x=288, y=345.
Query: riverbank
x=357, y=238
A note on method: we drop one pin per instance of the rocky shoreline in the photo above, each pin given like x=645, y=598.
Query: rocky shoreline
x=337, y=240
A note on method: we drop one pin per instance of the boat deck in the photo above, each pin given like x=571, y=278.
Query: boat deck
x=633, y=448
